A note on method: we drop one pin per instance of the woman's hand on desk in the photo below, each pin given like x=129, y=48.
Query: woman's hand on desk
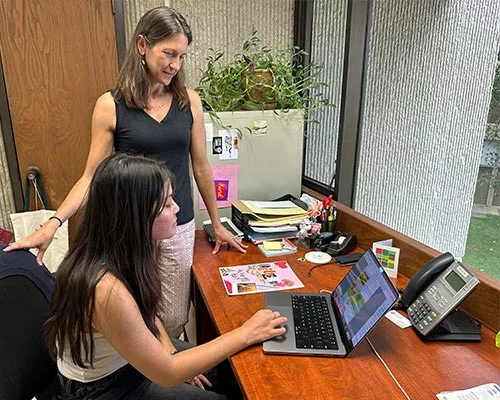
x=263, y=325
x=223, y=236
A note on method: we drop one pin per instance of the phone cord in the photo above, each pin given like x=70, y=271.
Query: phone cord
x=334, y=261
x=309, y=274
x=388, y=369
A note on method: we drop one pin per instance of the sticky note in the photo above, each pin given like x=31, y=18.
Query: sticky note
x=272, y=245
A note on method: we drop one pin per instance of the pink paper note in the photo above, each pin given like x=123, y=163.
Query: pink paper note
x=226, y=185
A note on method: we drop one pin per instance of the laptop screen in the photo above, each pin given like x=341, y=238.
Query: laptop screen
x=363, y=297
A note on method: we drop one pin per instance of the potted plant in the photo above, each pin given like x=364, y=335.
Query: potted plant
x=260, y=79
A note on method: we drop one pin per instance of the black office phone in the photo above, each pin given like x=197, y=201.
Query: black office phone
x=434, y=293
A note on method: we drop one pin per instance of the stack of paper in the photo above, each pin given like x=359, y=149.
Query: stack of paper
x=274, y=209
x=269, y=220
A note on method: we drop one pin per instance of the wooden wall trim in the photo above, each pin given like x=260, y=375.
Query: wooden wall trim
x=483, y=303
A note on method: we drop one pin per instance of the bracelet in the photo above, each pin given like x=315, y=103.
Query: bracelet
x=59, y=219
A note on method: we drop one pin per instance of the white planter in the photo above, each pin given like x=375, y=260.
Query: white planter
x=269, y=165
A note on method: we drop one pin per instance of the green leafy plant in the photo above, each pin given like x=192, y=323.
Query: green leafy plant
x=258, y=79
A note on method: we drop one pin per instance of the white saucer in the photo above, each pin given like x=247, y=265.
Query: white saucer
x=318, y=257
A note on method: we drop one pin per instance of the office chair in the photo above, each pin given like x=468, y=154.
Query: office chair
x=26, y=369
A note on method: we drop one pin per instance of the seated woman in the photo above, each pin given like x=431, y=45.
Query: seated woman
x=103, y=325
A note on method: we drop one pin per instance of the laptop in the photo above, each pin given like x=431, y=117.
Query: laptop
x=333, y=324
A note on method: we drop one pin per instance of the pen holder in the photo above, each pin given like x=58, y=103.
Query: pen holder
x=328, y=221
x=324, y=226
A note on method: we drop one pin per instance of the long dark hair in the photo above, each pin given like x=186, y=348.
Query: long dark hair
x=115, y=235
x=133, y=85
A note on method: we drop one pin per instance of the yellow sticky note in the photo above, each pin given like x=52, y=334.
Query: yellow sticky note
x=272, y=245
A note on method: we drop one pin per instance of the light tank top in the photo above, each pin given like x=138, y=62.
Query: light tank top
x=106, y=361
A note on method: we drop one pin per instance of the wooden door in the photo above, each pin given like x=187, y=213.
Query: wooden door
x=58, y=57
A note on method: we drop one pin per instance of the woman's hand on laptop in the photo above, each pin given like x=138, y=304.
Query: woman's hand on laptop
x=263, y=325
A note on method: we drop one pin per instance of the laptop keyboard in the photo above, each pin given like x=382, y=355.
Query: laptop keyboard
x=313, y=324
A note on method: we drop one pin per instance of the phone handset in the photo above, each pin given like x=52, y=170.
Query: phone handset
x=424, y=276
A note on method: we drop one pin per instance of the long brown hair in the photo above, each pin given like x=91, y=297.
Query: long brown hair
x=133, y=85
x=115, y=235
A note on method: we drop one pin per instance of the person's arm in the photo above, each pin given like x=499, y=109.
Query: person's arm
x=117, y=317
x=103, y=125
x=204, y=178
x=199, y=380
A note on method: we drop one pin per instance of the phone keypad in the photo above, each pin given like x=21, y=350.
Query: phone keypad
x=420, y=313
x=439, y=299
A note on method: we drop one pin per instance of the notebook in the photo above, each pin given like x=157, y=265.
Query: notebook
x=343, y=318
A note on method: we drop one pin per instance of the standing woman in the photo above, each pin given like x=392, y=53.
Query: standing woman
x=151, y=112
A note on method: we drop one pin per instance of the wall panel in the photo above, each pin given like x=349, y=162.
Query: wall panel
x=133, y=11
x=222, y=25
x=430, y=70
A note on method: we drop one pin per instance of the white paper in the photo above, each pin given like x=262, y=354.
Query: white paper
x=489, y=391
x=229, y=150
x=269, y=229
x=398, y=319
x=209, y=132
x=273, y=204
x=387, y=242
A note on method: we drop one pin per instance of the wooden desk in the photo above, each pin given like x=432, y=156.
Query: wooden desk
x=423, y=369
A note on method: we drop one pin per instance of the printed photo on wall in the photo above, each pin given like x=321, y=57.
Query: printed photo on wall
x=229, y=144
x=225, y=183
x=389, y=258
x=259, y=127
x=217, y=145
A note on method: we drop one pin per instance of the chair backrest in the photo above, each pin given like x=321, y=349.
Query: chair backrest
x=26, y=370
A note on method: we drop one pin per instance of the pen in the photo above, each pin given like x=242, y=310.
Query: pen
x=324, y=219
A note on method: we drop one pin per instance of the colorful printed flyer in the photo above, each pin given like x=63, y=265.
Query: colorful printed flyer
x=258, y=278
x=225, y=183
x=388, y=257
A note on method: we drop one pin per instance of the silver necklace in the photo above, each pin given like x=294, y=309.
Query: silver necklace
x=157, y=107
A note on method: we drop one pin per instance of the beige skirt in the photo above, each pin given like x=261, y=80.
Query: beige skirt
x=176, y=259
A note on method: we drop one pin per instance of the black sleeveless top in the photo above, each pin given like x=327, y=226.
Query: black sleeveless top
x=168, y=141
